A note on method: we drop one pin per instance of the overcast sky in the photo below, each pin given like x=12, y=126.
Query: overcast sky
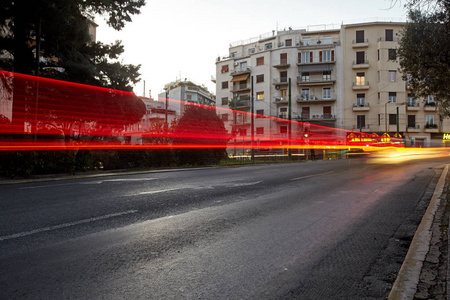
x=174, y=39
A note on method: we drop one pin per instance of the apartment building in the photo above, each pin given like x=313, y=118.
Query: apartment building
x=345, y=77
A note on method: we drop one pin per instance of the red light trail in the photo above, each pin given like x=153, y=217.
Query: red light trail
x=44, y=114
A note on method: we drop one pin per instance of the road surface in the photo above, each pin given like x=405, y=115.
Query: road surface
x=315, y=230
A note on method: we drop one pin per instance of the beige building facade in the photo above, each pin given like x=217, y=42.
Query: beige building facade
x=346, y=77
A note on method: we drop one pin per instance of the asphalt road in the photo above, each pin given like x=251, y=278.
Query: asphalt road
x=316, y=230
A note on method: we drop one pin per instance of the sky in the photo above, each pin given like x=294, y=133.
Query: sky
x=173, y=39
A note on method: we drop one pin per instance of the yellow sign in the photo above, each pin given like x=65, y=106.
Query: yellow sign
x=446, y=137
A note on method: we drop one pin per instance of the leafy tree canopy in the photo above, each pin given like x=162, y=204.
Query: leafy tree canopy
x=424, y=50
x=67, y=50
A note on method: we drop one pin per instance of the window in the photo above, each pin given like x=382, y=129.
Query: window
x=327, y=40
x=326, y=93
x=283, y=76
x=360, y=78
x=306, y=41
x=378, y=54
x=392, y=119
x=251, y=51
x=259, y=113
x=305, y=94
x=360, y=57
x=225, y=117
x=325, y=55
x=259, y=78
x=283, y=94
x=243, y=66
x=233, y=55
x=360, y=36
x=288, y=42
x=224, y=84
x=429, y=120
x=225, y=101
x=260, y=61
x=327, y=112
x=392, y=97
x=411, y=121
x=224, y=69
x=283, y=112
x=306, y=57
x=389, y=35
x=392, y=75
x=305, y=76
x=361, y=121
x=283, y=129
x=268, y=46
x=326, y=75
x=360, y=100
x=259, y=130
x=410, y=100
x=429, y=100
x=260, y=96
x=392, y=54
x=283, y=59
x=305, y=112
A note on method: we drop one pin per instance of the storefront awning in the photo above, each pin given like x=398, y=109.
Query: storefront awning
x=240, y=78
x=316, y=68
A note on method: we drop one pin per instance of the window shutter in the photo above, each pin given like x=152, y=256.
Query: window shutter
x=310, y=56
x=300, y=57
x=320, y=56
x=332, y=55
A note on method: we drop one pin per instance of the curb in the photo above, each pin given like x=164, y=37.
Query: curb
x=405, y=285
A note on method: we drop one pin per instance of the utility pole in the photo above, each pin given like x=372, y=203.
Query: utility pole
x=398, y=134
x=253, y=119
x=290, y=119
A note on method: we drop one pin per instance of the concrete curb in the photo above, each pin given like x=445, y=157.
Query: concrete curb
x=405, y=285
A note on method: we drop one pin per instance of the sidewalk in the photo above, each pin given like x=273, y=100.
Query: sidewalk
x=424, y=273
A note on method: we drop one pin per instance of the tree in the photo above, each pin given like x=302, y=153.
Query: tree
x=201, y=136
x=67, y=50
x=424, y=50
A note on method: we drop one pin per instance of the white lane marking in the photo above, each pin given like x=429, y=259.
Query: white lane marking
x=49, y=228
x=244, y=184
x=118, y=180
x=313, y=175
x=157, y=191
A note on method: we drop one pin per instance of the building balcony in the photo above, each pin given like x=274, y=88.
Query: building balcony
x=365, y=128
x=361, y=85
x=311, y=118
x=282, y=64
x=299, y=63
x=430, y=107
x=360, y=43
x=302, y=81
x=241, y=88
x=281, y=100
x=413, y=128
x=431, y=128
x=241, y=71
x=318, y=43
x=360, y=64
x=281, y=81
x=240, y=103
x=412, y=106
x=361, y=107
x=311, y=99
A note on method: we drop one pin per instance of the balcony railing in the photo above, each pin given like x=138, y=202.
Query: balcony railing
x=281, y=80
x=359, y=104
x=241, y=70
x=314, y=80
x=240, y=87
x=360, y=41
x=383, y=39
